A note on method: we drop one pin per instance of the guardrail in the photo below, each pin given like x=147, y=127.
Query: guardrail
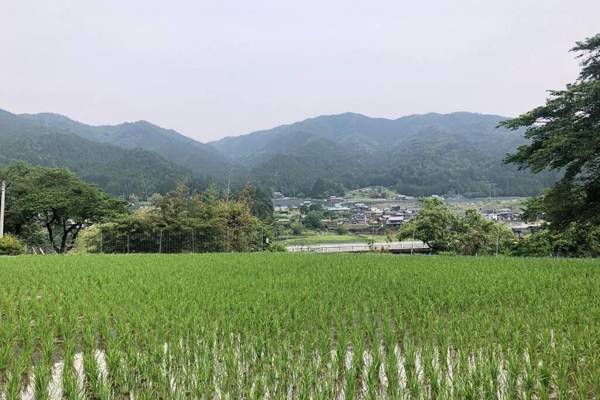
x=394, y=247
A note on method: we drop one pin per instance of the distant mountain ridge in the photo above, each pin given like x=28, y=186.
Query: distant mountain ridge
x=169, y=144
x=418, y=154
x=132, y=158
x=352, y=128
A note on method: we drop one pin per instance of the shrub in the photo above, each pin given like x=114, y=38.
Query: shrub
x=11, y=246
x=277, y=248
x=297, y=228
x=88, y=241
x=341, y=230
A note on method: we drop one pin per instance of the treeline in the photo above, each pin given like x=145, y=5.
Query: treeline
x=187, y=221
x=471, y=234
x=53, y=209
x=425, y=166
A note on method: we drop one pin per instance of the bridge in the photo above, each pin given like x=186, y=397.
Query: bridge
x=391, y=247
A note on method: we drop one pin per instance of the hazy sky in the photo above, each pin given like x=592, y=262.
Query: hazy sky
x=214, y=68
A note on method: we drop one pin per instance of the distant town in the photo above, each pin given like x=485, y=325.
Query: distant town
x=365, y=211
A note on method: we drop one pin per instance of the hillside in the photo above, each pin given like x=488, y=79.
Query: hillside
x=202, y=159
x=116, y=170
x=416, y=155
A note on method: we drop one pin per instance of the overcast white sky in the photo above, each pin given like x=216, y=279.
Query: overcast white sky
x=214, y=68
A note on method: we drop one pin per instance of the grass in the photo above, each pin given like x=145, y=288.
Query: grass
x=299, y=326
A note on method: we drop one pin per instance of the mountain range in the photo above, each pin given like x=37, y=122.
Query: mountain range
x=416, y=155
x=425, y=154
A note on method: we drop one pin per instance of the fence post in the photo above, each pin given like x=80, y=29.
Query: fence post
x=127, y=242
x=193, y=241
x=262, y=238
x=160, y=242
x=101, y=242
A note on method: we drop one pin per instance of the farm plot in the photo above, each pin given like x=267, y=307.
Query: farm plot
x=298, y=326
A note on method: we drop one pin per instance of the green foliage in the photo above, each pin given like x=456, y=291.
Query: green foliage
x=476, y=235
x=11, y=246
x=137, y=157
x=454, y=153
x=56, y=200
x=258, y=200
x=297, y=228
x=277, y=248
x=444, y=232
x=418, y=155
x=186, y=221
x=314, y=220
x=323, y=188
x=576, y=240
x=116, y=170
x=341, y=229
x=315, y=207
x=433, y=225
x=316, y=326
x=564, y=135
x=88, y=241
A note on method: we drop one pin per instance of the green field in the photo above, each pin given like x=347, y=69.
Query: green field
x=299, y=326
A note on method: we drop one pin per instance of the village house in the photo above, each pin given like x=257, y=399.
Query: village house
x=393, y=220
x=522, y=230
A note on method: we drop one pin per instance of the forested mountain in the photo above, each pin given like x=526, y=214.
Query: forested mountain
x=417, y=155
x=202, y=159
x=114, y=169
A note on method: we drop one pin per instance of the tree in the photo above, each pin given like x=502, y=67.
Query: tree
x=433, y=225
x=476, y=235
x=565, y=135
x=438, y=227
x=297, y=228
x=322, y=188
x=58, y=200
x=575, y=240
x=315, y=207
x=258, y=200
x=319, y=188
x=189, y=221
x=314, y=220
x=18, y=180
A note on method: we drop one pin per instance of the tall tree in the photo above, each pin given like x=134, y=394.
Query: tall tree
x=258, y=200
x=565, y=135
x=476, y=235
x=434, y=225
x=58, y=200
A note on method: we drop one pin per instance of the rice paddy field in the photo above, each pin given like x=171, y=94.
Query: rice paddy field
x=298, y=326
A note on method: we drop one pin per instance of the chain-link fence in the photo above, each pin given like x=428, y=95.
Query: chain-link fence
x=181, y=242
x=164, y=241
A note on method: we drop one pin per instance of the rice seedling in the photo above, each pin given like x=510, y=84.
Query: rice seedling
x=298, y=326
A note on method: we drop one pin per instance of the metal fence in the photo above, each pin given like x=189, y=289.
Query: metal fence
x=180, y=242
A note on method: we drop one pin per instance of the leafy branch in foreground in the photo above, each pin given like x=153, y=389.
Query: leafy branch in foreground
x=564, y=135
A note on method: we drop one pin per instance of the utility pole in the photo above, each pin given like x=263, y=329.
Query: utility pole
x=2, y=202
